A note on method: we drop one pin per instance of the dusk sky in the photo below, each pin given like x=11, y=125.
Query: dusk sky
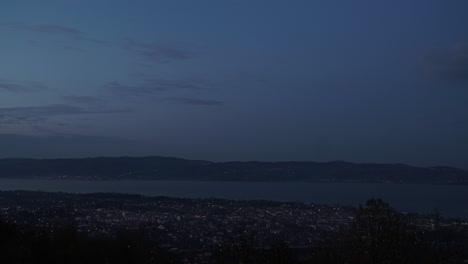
x=360, y=81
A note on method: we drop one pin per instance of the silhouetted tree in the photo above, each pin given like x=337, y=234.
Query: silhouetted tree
x=377, y=234
x=245, y=251
x=380, y=234
x=280, y=253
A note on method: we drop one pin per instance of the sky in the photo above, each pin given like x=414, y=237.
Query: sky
x=361, y=81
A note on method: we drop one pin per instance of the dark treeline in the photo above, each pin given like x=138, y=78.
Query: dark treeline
x=377, y=234
x=68, y=246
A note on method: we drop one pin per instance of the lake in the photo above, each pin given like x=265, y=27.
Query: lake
x=419, y=198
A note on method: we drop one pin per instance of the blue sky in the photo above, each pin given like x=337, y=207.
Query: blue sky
x=362, y=81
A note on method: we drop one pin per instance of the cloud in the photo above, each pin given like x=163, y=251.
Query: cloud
x=195, y=101
x=117, y=87
x=156, y=86
x=151, y=51
x=39, y=114
x=51, y=29
x=84, y=100
x=155, y=52
x=45, y=28
x=153, y=86
x=48, y=110
x=19, y=120
x=450, y=64
x=16, y=87
x=189, y=84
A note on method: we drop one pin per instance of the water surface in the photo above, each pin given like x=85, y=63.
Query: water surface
x=419, y=198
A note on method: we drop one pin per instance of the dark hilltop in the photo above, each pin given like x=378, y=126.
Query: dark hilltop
x=169, y=168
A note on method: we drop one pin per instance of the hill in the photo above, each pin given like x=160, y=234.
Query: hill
x=168, y=168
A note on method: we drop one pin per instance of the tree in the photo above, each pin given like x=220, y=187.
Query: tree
x=377, y=234
x=380, y=234
x=245, y=250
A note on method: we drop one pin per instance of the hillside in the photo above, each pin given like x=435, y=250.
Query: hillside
x=167, y=168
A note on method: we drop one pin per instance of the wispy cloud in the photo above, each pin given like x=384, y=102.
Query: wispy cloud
x=19, y=120
x=155, y=52
x=153, y=86
x=47, y=110
x=80, y=99
x=152, y=51
x=449, y=64
x=50, y=29
x=15, y=86
x=45, y=28
x=195, y=101
x=40, y=114
x=139, y=90
x=188, y=84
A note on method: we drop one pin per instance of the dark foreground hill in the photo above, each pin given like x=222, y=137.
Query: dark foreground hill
x=166, y=168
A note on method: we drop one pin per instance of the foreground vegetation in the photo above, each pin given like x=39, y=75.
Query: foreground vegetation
x=377, y=234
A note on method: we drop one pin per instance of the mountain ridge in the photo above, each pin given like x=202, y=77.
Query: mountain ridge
x=173, y=168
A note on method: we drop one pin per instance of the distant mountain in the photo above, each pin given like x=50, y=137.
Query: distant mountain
x=166, y=168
